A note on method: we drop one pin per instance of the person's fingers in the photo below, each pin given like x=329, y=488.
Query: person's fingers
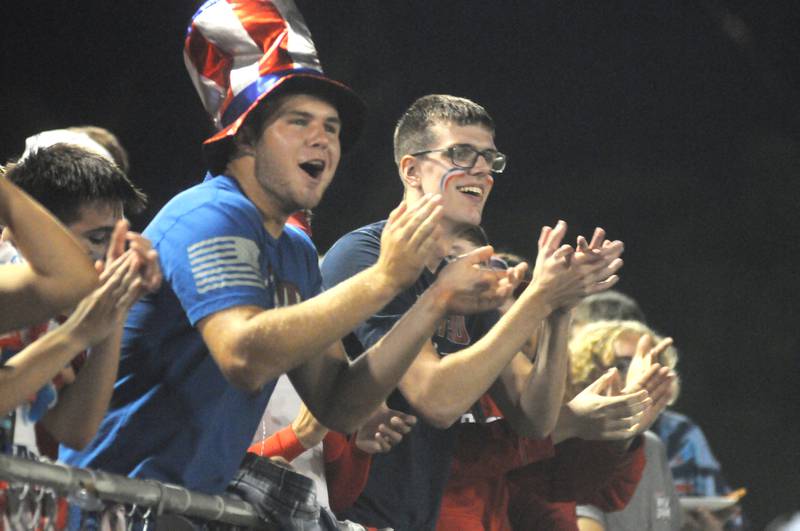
x=662, y=345
x=117, y=241
x=402, y=423
x=600, y=385
x=556, y=236
x=131, y=295
x=152, y=275
x=391, y=435
x=420, y=238
x=397, y=212
x=615, y=385
x=628, y=405
x=417, y=215
x=598, y=238
x=477, y=256
x=128, y=273
x=644, y=344
x=563, y=252
x=544, y=234
x=597, y=287
x=113, y=268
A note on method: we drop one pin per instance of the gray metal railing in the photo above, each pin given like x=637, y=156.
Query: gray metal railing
x=160, y=497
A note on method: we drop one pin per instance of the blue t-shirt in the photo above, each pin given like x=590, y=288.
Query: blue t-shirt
x=405, y=486
x=173, y=415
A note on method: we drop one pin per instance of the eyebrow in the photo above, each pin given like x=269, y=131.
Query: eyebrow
x=304, y=114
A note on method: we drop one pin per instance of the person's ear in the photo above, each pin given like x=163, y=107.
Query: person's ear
x=410, y=171
x=244, y=142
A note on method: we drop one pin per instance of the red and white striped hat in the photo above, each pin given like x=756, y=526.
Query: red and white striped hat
x=238, y=52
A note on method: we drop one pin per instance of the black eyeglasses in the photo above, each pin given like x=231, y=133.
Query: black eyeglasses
x=465, y=157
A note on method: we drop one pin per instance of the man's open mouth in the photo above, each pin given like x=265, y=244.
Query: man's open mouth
x=313, y=167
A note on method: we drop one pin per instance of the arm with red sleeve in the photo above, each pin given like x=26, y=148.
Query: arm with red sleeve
x=283, y=443
x=346, y=466
x=582, y=471
x=346, y=469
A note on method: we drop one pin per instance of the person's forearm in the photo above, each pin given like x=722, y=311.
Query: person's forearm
x=58, y=271
x=297, y=333
x=34, y=366
x=543, y=393
x=82, y=405
x=461, y=378
x=566, y=427
x=366, y=382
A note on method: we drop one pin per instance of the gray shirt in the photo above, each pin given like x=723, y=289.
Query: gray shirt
x=654, y=506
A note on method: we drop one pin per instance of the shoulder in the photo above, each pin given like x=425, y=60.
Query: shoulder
x=215, y=204
x=366, y=236
x=352, y=253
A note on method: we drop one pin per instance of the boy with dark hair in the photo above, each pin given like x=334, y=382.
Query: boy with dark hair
x=56, y=274
x=83, y=190
x=88, y=194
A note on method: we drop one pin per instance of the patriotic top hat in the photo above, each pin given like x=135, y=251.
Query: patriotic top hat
x=239, y=52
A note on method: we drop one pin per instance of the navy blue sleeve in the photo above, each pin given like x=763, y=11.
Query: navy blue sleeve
x=353, y=253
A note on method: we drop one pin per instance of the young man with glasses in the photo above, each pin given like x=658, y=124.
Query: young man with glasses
x=445, y=145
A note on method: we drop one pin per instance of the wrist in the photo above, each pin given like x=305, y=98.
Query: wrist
x=535, y=296
x=438, y=297
x=310, y=433
x=384, y=283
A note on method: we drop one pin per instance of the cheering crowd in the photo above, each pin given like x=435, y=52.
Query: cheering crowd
x=414, y=378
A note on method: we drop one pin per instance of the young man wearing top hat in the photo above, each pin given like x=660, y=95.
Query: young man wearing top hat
x=201, y=356
x=445, y=144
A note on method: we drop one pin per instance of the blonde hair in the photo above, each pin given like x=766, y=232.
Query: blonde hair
x=593, y=351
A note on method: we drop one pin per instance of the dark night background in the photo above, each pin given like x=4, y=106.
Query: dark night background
x=674, y=125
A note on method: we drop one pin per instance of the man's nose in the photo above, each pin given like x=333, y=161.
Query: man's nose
x=482, y=166
x=318, y=136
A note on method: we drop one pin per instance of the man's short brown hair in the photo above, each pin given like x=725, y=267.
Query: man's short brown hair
x=414, y=129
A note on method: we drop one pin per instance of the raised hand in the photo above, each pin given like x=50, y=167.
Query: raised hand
x=593, y=415
x=598, y=261
x=149, y=268
x=410, y=240
x=467, y=286
x=645, y=373
x=96, y=315
x=383, y=430
x=566, y=275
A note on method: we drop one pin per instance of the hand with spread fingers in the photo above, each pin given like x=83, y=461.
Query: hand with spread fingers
x=646, y=373
x=467, y=286
x=149, y=268
x=601, y=413
x=383, y=430
x=410, y=240
x=565, y=274
x=97, y=315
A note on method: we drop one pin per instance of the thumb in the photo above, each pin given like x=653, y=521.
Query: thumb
x=481, y=254
x=600, y=385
